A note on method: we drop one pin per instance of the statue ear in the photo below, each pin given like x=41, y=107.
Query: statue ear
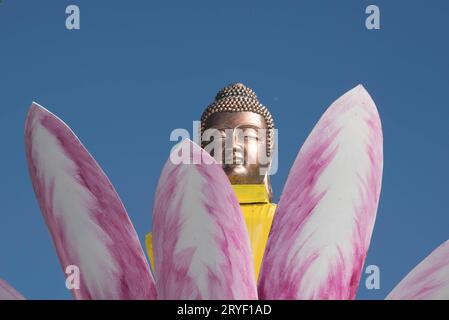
x=200, y=135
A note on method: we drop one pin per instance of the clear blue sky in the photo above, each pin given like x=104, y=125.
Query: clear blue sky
x=138, y=69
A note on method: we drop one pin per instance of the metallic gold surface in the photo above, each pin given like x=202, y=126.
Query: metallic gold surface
x=235, y=108
x=245, y=167
x=239, y=98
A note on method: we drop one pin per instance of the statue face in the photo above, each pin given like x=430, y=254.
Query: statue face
x=241, y=141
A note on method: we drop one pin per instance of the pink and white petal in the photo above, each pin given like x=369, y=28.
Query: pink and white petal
x=200, y=242
x=9, y=293
x=322, y=227
x=429, y=280
x=86, y=219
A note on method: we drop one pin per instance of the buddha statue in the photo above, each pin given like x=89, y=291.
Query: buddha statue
x=244, y=129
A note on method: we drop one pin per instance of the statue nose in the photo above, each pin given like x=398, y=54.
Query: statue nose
x=239, y=154
x=238, y=148
x=233, y=151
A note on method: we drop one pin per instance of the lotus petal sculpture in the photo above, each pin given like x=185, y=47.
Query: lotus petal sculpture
x=317, y=244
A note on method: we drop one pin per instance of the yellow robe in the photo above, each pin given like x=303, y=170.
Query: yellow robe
x=258, y=213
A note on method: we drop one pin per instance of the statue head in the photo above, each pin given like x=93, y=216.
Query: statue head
x=238, y=131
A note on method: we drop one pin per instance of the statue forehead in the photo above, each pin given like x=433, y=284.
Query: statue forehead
x=235, y=119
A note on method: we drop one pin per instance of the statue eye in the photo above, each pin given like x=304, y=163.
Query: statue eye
x=252, y=137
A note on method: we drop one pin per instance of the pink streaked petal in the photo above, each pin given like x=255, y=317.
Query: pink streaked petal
x=429, y=280
x=86, y=219
x=9, y=293
x=200, y=242
x=322, y=227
